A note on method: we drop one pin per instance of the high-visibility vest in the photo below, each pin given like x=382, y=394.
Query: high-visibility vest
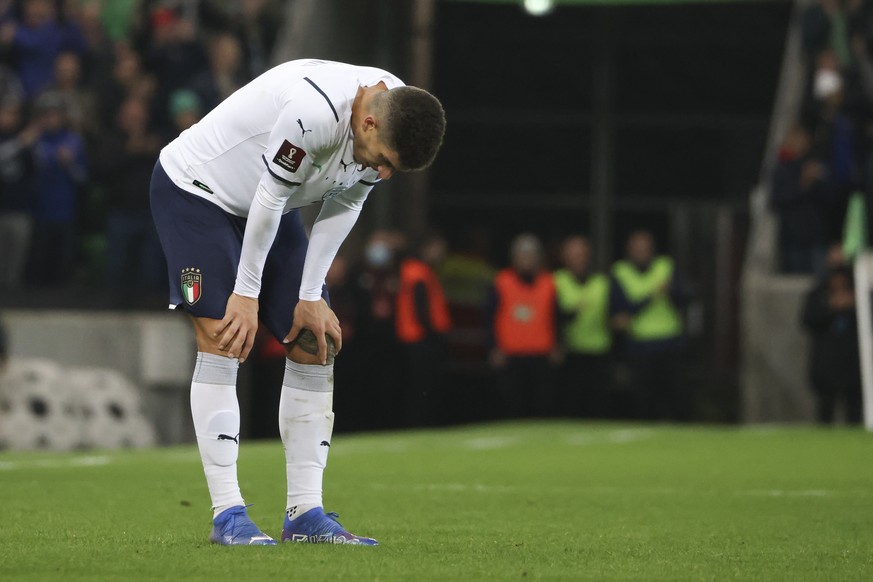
x=659, y=319
x=409, y=328
x=588, y=332
x=524, y=324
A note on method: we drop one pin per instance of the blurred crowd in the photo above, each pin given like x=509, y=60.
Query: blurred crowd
x=828, y=153
x=90, y=90
x=826, y=156
x=429, y=328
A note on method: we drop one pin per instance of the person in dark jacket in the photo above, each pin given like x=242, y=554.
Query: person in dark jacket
x=122, y=163
x=834, y=367
x=17, y=172
x=799, y=198
x=374, y=288
x=61, y=171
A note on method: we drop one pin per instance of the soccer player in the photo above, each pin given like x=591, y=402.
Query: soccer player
x=224, y=197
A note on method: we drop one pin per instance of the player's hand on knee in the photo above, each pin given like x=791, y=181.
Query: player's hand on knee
x=238, y=328
x=320, y=319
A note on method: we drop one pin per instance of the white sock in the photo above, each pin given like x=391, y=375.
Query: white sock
x=215, y=410
x=306, y=425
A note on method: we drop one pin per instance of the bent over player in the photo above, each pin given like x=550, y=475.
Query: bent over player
x=224, y=197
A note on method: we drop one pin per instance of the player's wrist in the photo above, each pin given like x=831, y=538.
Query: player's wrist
x=246, y=291
x=246, y=299
x=310, y=297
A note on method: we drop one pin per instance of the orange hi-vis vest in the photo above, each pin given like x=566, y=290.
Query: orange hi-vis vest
x=409, y=328
x=524, y=324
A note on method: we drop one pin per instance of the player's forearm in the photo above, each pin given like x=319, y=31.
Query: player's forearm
x=261, y=228
x=333, y=225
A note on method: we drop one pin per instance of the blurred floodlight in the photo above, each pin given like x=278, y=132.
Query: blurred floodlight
x=538, y=7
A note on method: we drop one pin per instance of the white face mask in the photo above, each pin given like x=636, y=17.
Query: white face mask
x=378, y=254
x=827, y=82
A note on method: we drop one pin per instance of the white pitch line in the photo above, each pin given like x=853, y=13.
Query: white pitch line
x=599, y=490
x=786, y=493
x=490, y=443
x=92, y=461
x=615, y=437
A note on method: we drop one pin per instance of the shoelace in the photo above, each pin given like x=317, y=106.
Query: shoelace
x=334, y=516
x=246, y=529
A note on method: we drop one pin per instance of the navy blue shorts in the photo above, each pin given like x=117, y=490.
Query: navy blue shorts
x=202, y=244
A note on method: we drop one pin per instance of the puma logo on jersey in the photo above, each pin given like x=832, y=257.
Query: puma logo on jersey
x=303, y=129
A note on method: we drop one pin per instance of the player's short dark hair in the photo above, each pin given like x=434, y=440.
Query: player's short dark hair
x=414, y=124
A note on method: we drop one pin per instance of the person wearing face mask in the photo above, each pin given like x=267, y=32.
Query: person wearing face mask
x=521, y=319
x=834, y=142
x=645, y=300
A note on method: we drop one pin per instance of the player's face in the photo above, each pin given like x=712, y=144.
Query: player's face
x=371, y=152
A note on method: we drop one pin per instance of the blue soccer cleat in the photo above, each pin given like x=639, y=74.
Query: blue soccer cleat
x=234, y=527
x=317, y=527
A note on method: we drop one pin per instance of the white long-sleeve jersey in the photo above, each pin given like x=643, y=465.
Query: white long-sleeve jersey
x=279, y=143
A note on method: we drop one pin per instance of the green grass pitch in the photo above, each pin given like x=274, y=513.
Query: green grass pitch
x=539, y=500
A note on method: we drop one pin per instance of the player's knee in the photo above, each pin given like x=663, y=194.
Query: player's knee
x=206, y=330
x=304, y=349
x=331, y=350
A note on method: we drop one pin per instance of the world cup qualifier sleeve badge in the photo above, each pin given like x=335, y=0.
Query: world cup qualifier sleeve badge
x=192, y=285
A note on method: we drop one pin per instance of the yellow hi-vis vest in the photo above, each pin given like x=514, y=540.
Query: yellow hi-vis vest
x=659, y=319
x=588, y=331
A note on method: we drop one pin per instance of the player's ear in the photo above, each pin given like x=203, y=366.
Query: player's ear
x=370, y=123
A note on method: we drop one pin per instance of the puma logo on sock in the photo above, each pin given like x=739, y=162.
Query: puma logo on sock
x=224, y=437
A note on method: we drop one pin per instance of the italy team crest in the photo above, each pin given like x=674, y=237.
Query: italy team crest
x=192, y=285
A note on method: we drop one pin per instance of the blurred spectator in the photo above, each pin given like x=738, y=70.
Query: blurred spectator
x=184, y=111
x=644, y=302
x=61, y=170
x=829, y=25
x=377, y=349
x=37, y=41
x=175, y=56
x=833, y=141
x=81, y=102
x=116, y=17
x=122, y=165
x=422, y=319
x=17, y=172
x=799, y=197
x=835, y=371
x=225, y=73
x=522, y=321
x=10, y=86
x=586, y=339
x=129, y=78
x=256, y=23
x=466, y=273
